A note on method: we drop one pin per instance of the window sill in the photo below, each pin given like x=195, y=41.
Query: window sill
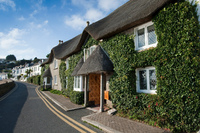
x=147, y=91
x=145, y=48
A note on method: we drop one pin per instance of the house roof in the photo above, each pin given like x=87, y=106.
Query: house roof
x=68, y=48
x=47, y=73
x=131, y=14
x=77, y=68
x=98, y=61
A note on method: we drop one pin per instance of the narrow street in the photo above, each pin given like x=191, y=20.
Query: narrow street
x=25, y=112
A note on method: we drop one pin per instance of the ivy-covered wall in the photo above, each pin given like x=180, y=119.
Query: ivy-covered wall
x=75, y=97
x=177, y=61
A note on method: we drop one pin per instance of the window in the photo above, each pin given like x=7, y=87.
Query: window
x=88, y=52
x=145, y=36
x=78, y=83
x=48, y=80
x=67, y=64
x=55, y=64
x=146, y=80
x=55, y=80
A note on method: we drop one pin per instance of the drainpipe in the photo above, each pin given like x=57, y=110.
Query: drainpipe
x=102, y=93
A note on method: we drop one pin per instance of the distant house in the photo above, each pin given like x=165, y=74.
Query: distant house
x=58, y=53
x=3, y=75
x=19, y=72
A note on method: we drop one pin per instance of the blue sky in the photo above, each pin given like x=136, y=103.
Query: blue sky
x=30, y=28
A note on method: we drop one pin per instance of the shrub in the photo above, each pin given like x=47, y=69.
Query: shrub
x=77, y=97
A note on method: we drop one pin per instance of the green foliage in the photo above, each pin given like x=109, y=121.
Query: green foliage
x=62, y=75
x=43, y=69
x=56, y=92
x=178, y=66
x=177, y=62
x=121, y=52
x=34, y=79
x=77, y=97
x=11, y=58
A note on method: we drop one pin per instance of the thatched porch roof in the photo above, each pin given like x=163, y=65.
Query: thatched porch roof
x=98, y=61
x=47, y=73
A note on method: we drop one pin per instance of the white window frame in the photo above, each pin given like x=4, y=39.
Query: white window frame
x=144, y=26
x=55, y=63
x=148, y=83
x=55, y=80
x=67, y=64
x=90, y=49
x=78, y=80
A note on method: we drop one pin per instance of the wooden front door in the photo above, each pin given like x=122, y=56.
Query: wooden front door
x=94, y=89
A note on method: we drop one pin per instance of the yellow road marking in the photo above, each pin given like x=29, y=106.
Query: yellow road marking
x=69, y=123
x=69, y=118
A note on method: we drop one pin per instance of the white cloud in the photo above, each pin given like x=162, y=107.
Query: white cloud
x=93, y=15
x=12, y=39
x=7, y=3
x=108, y=5
x=21, y=18
x=84, y=3
x=33, y=26
x=26, y=53
x=76, y=22
x=33, y=13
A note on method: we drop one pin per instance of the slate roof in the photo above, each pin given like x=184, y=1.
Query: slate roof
x=131, y=14
x=47, y=73
x=98, y=61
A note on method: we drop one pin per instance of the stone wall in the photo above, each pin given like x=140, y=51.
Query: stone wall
x=6, y=86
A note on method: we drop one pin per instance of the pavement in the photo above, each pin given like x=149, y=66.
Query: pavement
x=62, y=101
x=104, y=121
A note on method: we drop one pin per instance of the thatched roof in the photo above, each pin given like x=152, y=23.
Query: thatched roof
x=98, y=61
x=47, y=73
x=77, y=68
x=68, y=48
x=131, y=14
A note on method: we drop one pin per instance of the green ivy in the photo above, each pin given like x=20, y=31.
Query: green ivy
x=43, y=69
x=62, y=75
x=177, y=61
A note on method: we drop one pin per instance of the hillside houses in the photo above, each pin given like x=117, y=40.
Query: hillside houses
x=19, y=72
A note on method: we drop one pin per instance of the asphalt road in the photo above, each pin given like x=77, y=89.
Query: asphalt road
x=25, y=112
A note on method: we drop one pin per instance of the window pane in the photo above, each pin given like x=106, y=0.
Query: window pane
x=152, y=79
x=151, y=35
x=78, y=82
x=48, y=80
x=143, y=80
x=141, y=38
x=75, y=82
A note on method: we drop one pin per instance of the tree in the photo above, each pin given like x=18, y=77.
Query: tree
x=36, y=60
x=47, y=55
x=10, y=58
x=28, y=71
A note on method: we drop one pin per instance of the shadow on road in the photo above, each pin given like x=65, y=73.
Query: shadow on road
x=10, y=108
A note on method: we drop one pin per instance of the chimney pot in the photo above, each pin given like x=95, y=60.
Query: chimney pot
x=88, y=23
x=60, y=41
